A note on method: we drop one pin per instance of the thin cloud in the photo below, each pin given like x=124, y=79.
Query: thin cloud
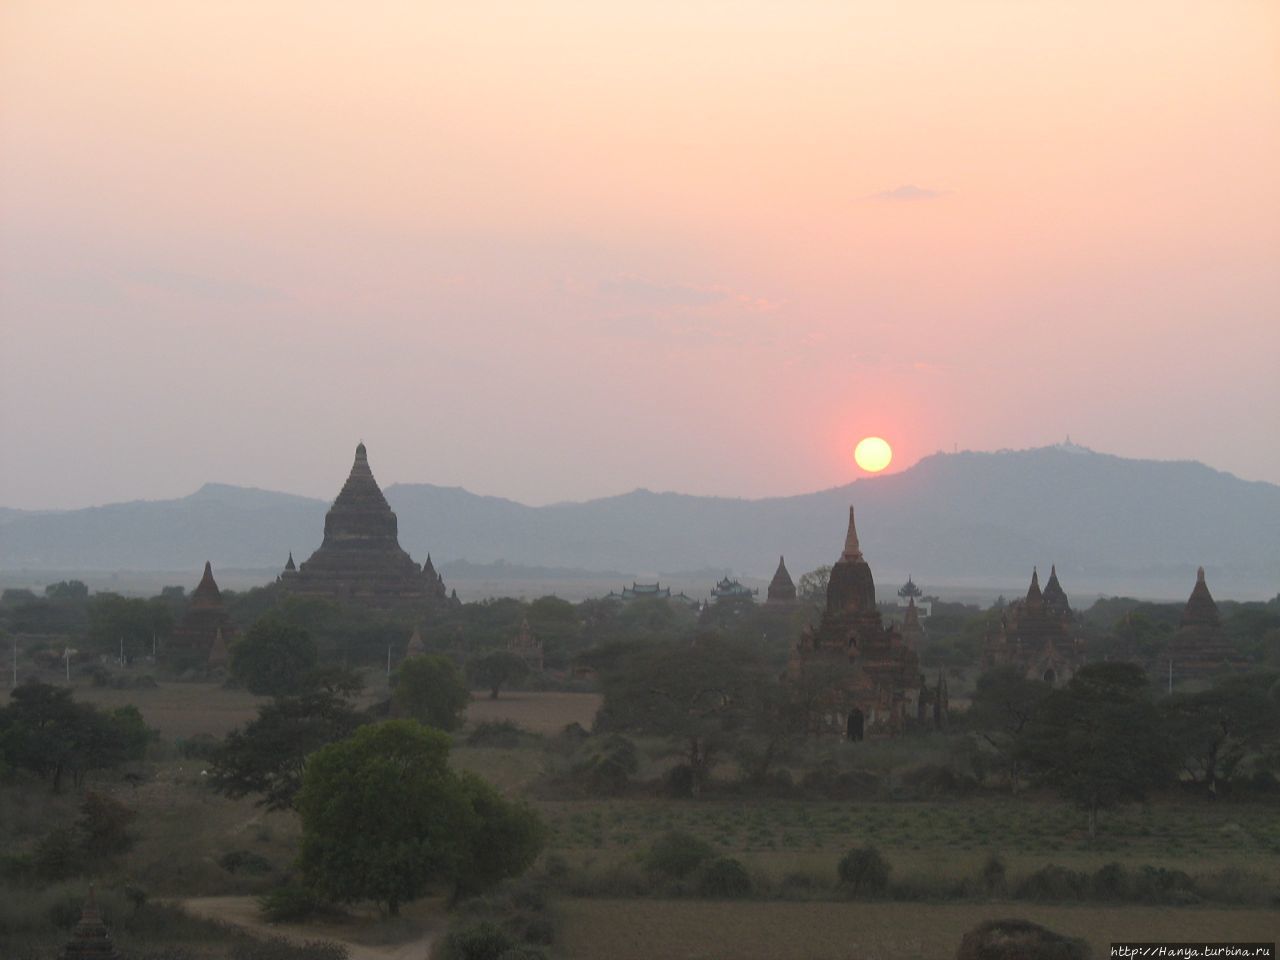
x=638, y=290
x=907, y=192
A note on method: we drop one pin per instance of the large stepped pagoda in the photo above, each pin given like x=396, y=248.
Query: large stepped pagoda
x=360, y=560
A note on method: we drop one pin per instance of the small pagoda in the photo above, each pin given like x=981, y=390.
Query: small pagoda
x=782, y=589
x=1038, y=634
x=1198, y=648
x=90, y=939
x=204, y=625
x=527, y=647
x=360, y=560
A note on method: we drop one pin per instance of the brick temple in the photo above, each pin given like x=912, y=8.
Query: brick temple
x=360, y=560
x=205, y=628
x=1198, y=647
x=1038, y=634
x=863, y=676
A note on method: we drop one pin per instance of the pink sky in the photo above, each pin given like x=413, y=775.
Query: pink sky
x=551, y=251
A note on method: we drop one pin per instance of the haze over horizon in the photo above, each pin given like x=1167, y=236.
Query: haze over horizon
x=563, y=253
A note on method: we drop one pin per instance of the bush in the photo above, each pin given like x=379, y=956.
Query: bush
x=1160, y=885
x=278, y=948
x=676, y=855
x=1019, y=940
x=104, y=826
x=993, y=875
x=202, y=746
x=497, y=733
x=936, y=780
x=1052, y=882
x=607, y=772
x=480, y=941
x=1110, y=882
x=245, y=861
x=678, y=783
x=864, y=872
x=725, y=878
x=58, y=855
x=290, y=901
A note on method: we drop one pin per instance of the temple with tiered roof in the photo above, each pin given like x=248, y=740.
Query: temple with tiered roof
x=360, y=560
x=1039, y=634
x=863, y=677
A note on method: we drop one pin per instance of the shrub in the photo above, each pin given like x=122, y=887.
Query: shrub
x=278, y=948
x=497, y=733
x=290, y=901
x=1019, y=940
x=1110, y=882
x=993, y=875
x=607, y=772
x=935, y=780
x=678, y=783
x=1161, y=885
x=480, y=941
x=677, y=855
x=201, y=746
x=864, y=872
x=58, y=855
x=1052, y=882
x=245, y=861
x=725, y=878
x=104, y=826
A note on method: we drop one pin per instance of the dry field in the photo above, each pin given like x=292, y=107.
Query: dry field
x=545, y=713
x=710, y=930
x=186, y=709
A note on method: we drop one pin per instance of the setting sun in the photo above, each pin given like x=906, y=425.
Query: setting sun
x=872, y=454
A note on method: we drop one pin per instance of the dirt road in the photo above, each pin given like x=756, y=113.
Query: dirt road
x=242, y=912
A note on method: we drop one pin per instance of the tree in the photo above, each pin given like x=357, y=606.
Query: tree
x=384, y=817
x=494, y=669
x=1099, y=741
x=43, y=730
x=813, y=585
x=701, y=696
x=273, y=658
x=1216, y=729
x=269, y=756
x=1003, y=704
x=130, y=624
x=430, y=690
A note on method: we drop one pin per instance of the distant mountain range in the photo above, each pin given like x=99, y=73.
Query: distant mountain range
x=969, y=519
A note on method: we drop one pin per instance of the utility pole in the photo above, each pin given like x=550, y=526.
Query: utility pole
x=388, y=664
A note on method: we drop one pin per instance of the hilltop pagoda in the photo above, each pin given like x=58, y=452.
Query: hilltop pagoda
x=1198, y=648
x=863, y=677
x=204, y=626
x=360, y=560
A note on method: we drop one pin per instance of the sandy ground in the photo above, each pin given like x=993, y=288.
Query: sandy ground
x=243, y=912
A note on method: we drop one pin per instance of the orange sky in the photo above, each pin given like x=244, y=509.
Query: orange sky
x=558, y=250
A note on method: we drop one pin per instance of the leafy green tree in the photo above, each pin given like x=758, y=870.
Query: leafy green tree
x=430, y=689
x=131, y=623
x=384, y=817
x=701, y=696
x=273, y=658
x=1216, y=729
x=1003, y=704
x=43, y=730
x=1099, y=741
x=494, y=669
x=813, y=585
x=269, y=756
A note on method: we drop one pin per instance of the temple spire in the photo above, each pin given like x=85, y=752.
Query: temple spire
x=851, y=549
x=1033, y=591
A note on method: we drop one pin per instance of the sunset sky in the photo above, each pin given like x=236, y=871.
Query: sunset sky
x=558, y=250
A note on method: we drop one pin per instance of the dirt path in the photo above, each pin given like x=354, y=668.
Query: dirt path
x=242, y=912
